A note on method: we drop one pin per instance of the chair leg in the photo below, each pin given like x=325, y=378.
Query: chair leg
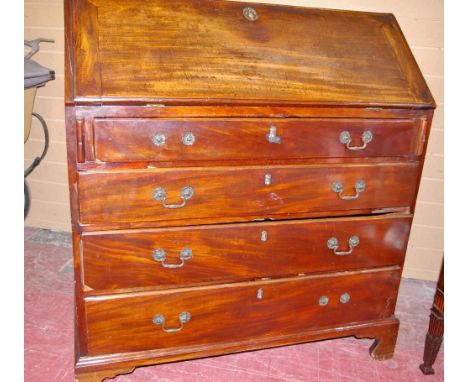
x=434, y=338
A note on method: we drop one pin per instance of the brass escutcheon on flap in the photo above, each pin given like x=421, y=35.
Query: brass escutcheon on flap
x=250, y=13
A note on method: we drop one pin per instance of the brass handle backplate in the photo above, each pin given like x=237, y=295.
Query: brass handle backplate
x=338, y=187
x=188, y=138
x=159, y=139
x=185, y=194
x=323, y=300
x=344, y=298
x=345, y=138
x=160, y=256
x=333, y=244
x=159, y=319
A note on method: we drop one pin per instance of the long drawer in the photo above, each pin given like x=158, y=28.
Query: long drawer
x=178, y=257
x=257, y=192
x=207, y=315
x=176, y=140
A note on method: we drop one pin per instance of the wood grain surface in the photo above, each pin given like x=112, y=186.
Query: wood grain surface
x=131, y=109
x=123, y=260
x=131, y=140
x=384, y=331
x=208, y=52
x=125, y=323
x=126, y=196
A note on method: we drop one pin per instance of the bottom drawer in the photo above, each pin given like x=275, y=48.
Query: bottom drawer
x=235, y=312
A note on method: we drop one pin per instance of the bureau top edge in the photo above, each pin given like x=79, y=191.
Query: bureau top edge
x=207, y=52
x=223, y=103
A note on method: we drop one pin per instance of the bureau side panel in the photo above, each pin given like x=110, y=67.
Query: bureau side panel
x=426, y=124
x=71, y=137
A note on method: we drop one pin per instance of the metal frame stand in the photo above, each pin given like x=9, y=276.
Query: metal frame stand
x=35, y=163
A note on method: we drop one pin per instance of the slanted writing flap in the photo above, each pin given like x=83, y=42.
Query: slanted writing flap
x=186, y=51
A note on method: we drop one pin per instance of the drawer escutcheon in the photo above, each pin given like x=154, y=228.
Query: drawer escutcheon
x=250, y=13
x=260, y=294
x=272, y=137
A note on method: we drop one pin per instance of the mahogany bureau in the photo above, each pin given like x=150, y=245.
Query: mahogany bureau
x=241, y=176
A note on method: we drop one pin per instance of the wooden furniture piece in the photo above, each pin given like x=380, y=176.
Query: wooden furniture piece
x=241, y=177
x=435, y=334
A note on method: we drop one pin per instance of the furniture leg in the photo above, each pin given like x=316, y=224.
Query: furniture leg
x=99, y=376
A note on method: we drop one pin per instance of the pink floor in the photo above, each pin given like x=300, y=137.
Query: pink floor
x=49, y=336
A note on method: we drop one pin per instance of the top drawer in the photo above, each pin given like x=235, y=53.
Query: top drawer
x=176, y=140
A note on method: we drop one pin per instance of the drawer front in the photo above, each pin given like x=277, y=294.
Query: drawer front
x=220, y=192
x=219, y=253
x=236, y=312
x=129, y=140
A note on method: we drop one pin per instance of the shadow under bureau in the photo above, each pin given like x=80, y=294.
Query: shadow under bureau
x=241, y=176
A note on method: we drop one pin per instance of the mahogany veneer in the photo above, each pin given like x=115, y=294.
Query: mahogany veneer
x=124, y=260
x=127, y=196
x=118, y=324
x=126, y=140
x=191, y=126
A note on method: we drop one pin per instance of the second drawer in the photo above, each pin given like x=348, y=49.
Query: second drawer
x=222, y=193
x=219, y=253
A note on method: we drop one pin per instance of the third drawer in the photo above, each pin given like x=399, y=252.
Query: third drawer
x=123, y=260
